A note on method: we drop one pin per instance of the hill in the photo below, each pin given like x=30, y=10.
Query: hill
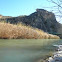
x=41, y=19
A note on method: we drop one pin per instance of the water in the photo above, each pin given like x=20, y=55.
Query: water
x=25, y=50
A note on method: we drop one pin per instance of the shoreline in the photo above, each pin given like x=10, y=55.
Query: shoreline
x=43, y=59
x=57, y=56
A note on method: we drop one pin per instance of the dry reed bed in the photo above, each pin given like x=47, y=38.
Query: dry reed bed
x=10, y=31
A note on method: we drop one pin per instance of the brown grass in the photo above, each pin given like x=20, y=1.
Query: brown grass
x=10, y=31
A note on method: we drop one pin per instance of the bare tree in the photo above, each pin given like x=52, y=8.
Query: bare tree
x=57, y=8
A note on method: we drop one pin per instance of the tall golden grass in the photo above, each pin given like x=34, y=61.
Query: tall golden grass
x=10, y=31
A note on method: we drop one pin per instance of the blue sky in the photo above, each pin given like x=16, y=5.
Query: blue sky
x=21, y=7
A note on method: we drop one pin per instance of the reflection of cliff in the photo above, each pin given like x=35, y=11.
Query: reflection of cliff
x=41, y=19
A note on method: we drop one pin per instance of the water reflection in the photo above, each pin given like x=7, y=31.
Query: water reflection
x=25, y=50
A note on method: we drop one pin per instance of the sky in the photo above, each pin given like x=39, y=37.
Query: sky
x=22, y=7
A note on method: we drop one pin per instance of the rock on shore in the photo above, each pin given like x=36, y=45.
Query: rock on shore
x=57, y=57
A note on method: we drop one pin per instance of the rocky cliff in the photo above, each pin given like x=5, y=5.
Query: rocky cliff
x=41, y=19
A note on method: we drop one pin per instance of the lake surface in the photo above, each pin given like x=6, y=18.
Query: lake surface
x=26, y=50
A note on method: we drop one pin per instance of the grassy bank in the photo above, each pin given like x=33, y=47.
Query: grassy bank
x=10, y=31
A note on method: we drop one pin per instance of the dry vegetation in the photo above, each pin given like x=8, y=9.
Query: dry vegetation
x=10, y=31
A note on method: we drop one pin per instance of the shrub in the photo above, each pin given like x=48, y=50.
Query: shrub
x=10, y=31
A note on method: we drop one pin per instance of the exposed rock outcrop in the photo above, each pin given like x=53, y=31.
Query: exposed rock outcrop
x=41, y=19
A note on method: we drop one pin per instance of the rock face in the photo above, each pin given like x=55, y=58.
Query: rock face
x=41, y=19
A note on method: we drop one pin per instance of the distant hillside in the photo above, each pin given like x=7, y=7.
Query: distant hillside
x=0, y=16
x=4, y=18
x=9, y=31
x=40, y=19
